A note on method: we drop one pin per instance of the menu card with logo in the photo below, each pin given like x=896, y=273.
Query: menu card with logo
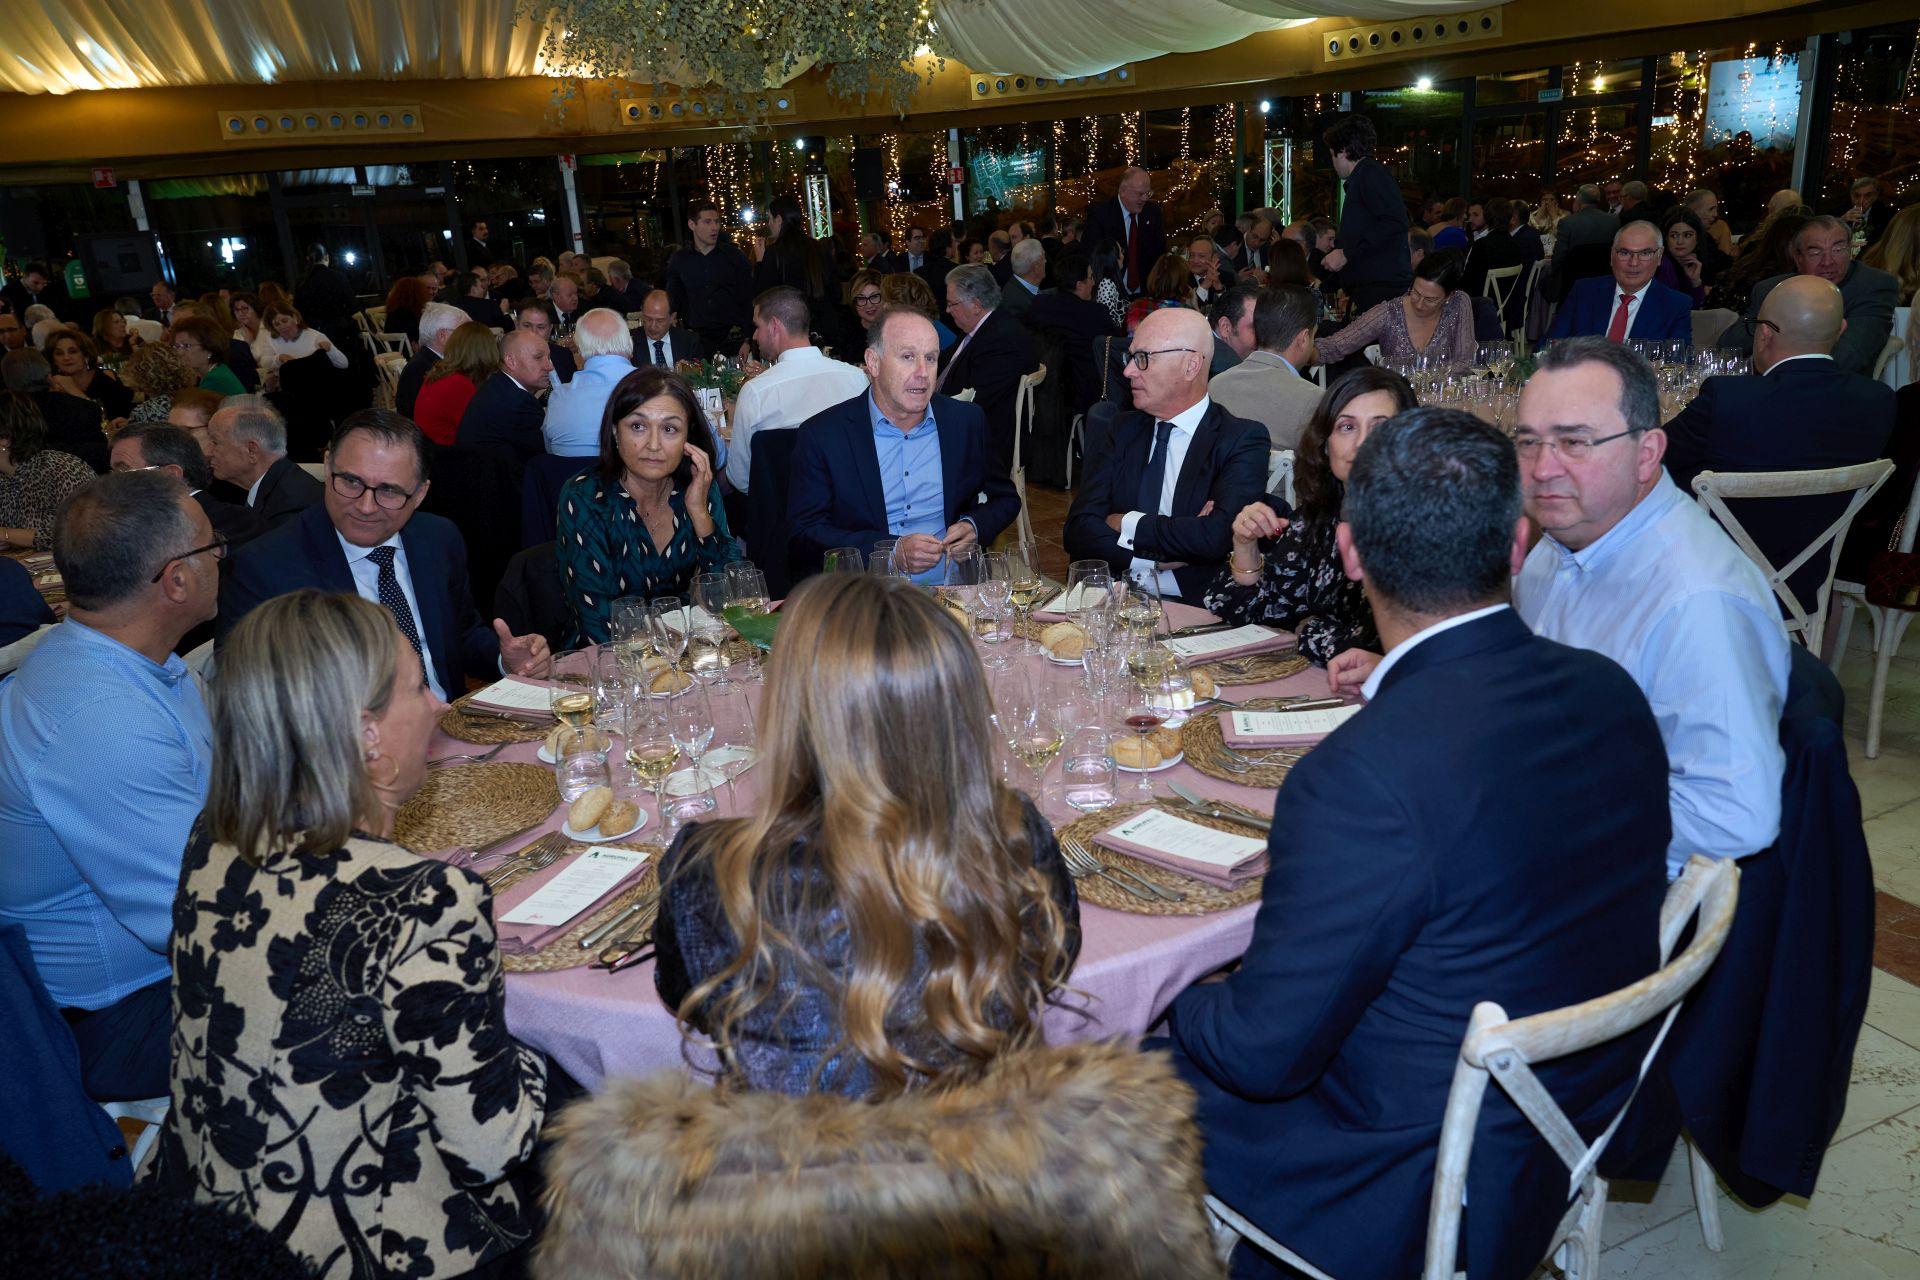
x=1237, y=643
x=1283, y=728
x=1220, y=858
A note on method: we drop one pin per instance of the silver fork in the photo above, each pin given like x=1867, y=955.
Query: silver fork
x=538, y=856
x=487, y=755
x=1082, y=863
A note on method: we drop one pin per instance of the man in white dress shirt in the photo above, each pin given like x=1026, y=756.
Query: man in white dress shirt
x=799, y=380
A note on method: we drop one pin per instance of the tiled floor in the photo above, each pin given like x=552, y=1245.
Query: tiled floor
x=1863, y=1223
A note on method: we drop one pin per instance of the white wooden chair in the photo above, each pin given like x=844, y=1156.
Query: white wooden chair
x=1280, y=473
x=1501, y=282
x=1022, y=422
x=965, y=394
x=399, y=342
x=144, y=329
x=1076, y=439
x=1893, y=348
x=1507, y=1051
x=1708, y=325
x=389, y=365
x=1889, y=627
x=1714, y=488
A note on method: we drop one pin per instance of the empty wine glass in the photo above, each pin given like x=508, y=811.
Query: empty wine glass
x=845, y=560
x=670, y=628
x=747, y=595
x=710, y=659
x=690, y=726
x=1086, y=578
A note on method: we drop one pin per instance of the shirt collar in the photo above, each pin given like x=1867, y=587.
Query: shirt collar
x=1805, y=355
x=1276, y=357
x=1031, y=286
x=356, y=553
x=1188, y=419
x=1636, y=294
x=983, y=320
x=796, y=355
x=882, y=422
x=1659, y=500
x=170, y=673
x=1372, y=684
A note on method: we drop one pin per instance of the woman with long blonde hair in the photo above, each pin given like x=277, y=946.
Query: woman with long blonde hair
x=890, y=915
x=1898, y=251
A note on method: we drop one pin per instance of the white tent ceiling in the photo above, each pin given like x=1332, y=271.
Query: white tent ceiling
x=60, y=46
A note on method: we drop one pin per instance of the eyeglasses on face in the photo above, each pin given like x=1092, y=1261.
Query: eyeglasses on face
x=1141, y=359
x=185, y=346
x=1637, y=255
x=1568, y=448
x=218, y=546
x=864, y=298
x=390, y=496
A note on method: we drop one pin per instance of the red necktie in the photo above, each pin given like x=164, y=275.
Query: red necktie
x=1133, y=252
x=1617, y=331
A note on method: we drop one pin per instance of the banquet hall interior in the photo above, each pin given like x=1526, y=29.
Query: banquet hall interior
x=782, y=625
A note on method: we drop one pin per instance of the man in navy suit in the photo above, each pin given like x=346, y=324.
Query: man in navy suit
x=994, y=352
x=1629, y=305
x=1178, y=470
x=378, y=544
x=1134, y=222
x=506, y=410
x=1799, y=411
x=1491, y=827
x=535, y=316
x=898, y=462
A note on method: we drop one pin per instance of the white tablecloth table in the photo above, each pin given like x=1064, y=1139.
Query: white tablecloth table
x=598, y=1024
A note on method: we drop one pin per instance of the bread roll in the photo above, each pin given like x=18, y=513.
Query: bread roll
x=1136, y=753
x=1167, y=740
x=668, y=680
x=596, y=737
x=1052, y=634
x=1203, y=685
x=588, y=809
x=1070, y=648
x=620, y=816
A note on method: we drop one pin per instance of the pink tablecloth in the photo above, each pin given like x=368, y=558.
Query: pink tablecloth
x=597, y=1024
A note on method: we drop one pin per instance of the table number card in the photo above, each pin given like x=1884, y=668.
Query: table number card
x=584, y=882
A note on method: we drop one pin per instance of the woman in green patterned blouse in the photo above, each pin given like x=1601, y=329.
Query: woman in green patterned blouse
x=648, y=518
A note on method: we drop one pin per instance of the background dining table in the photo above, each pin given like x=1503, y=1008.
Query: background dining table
x=598, y=1024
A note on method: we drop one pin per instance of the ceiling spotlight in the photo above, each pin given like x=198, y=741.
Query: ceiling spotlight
x=799, y=144
x=1424, y=83
x=1266, y=105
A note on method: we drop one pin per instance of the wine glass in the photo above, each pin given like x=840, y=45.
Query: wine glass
x=747, y=594
x=572, y=697
x=1150, y=697
x=690, y=726
x=845, y=560
x=1030, y=719
x=651, y=750
x=881, y=561
x=1024, y=586
x=670, y=628
x=1086, y=578
x=1140, y=608
x=710, y=625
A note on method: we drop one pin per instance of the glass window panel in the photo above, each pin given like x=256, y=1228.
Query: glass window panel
x=1508, y=87
x=1586, y=79
x=1876, y=101
x=1419, y=139
x=1725, y=119
x=218, y=231
x=1595, y=144
x=1510, y=156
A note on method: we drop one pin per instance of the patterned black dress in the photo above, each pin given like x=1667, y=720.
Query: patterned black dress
x=1304, y=590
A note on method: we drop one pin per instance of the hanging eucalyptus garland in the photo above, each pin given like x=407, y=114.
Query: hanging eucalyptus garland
x=741, y=46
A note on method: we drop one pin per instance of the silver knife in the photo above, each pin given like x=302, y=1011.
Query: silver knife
x=1222, y=812
x=605, y=931
x=1201, y=628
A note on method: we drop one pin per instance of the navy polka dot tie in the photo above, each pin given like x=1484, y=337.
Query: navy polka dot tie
x=392, y=597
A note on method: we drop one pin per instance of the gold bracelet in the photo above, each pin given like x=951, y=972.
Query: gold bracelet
x=1237, y=569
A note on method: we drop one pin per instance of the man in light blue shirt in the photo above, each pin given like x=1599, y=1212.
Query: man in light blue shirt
x=105, y=748
x=916, y=492
x=1630, y=567
x=604, y=346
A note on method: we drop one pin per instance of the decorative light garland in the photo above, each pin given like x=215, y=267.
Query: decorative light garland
x=1130, y=137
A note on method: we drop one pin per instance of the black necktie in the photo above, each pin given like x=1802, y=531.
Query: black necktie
x=1156, y=473
x=660, y=351
x=393, y=598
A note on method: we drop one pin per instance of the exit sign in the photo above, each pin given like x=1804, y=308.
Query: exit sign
x=103, y=177
x=956, y=175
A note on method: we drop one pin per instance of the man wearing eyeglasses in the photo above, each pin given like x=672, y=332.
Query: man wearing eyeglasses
x=1629, y=305
x=370, y=537
x=1160, y=506
x=1823, y=248
x=105, y=748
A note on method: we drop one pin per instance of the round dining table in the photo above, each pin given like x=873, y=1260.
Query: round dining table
x=598, y=1024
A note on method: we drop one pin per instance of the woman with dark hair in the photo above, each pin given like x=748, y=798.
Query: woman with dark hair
x=405, y=301
x=250, y=327
x=201, y=344
x=1691, y=260
x=1169, y=284
x=797, y=260
x=1433, y=317
x=1109, y=279
x=1287, y=264
x=34, y=480
x=890, y=917
x=111, y=338
x=77, y=372
x=649, y=517
x=1764, y=253
x=1287, y=573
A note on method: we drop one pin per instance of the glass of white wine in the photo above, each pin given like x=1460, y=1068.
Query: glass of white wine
x=1025, y=587
x=571, y=696
x=651, y=749
x=1032, y=721
x=709, y=643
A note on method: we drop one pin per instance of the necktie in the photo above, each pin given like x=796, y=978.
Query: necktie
x=1617, y=331
x=392, y=597
x=1154, y=477
x=1133, y=252
x=660, y=351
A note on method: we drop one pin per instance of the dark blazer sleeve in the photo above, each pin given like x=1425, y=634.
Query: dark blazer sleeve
x=1373, y=227
x=1239, y=478
x=479, y=643
x=1001, y=505
x=1869, y=321
x=1346, y=894
x=1676, y=315
x=817, y=454
x=255, y=576
x=1562, y=326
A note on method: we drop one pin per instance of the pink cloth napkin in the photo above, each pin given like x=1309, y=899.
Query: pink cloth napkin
x=518, y=939
x=522, y=714
x=1225, y=878
x=1279, y=640
x=1233, y=739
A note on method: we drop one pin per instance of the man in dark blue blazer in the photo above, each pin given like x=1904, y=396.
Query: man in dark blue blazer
x=1179, y=467
x=506, y=410
x=898, y=462
x=535, y=315
x=1653, y=312
x=1800, y=411
x=379, y=545
x=1492, y=826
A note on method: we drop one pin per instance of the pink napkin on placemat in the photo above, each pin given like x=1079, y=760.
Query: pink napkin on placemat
x=506, y=708
x=519, y=939
x=1265, y=641
x=1246, y=857
x=1314, y=724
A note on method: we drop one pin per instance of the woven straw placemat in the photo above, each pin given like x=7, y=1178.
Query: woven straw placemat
x=476, y=804
x=565, y=951
x=1256, y=669
x=1201, y=898
x=1206, y=749
x=456, y=722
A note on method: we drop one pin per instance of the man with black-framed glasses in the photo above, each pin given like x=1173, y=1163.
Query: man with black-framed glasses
x=105, y=748
x=369, y=536
x=1160, y=505
x=1628, y=305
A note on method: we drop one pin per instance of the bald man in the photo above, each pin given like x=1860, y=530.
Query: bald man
x=506, y=410
x=1133, y=221
x=1799, y=411
x=1161, y=505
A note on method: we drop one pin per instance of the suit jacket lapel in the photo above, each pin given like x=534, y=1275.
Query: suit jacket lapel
x=1197, y=467
x=952, y=450
x=858, y=425
x=323, y=550
x=429, y=599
